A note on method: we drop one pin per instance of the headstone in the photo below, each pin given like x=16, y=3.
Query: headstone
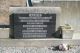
x=33, y=22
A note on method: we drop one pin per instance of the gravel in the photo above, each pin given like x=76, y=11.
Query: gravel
x=36, y=50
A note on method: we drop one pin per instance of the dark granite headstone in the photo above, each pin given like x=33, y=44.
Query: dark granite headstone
x=33, y=22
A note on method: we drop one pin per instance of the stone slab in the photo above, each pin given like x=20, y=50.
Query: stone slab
x=48, y=42
x=25, y=18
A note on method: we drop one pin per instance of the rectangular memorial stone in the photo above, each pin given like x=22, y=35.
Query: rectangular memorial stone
x=33, y=22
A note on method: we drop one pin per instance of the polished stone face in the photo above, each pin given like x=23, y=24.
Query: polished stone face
x=26, y=26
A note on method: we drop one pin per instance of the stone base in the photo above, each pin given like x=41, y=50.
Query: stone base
x=37, y=42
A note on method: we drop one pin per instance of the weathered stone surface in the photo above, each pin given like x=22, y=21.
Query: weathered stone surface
x=17, y=2
x=37, y=42
x=4, y=9
x=4, y=33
